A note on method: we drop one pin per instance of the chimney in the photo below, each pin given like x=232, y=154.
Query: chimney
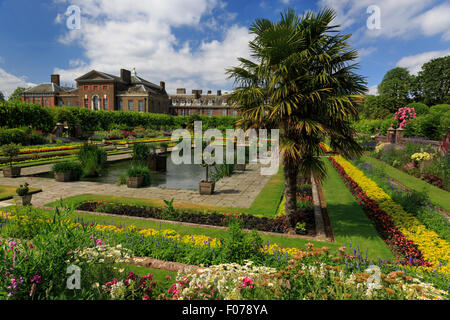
x=54, y=78
x=181, y=91
x=125, y=75
x=162, y=84
x=209, y=91
x=219, y=92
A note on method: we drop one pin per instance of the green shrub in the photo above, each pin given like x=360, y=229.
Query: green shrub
x=141, y=152
x=137, y=170
x=419, y=108
x=10, y=151
x=23, y=189
x=92, y=158
x=74, y=167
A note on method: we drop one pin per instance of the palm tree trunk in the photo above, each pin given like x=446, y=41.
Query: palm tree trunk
x=290, y=190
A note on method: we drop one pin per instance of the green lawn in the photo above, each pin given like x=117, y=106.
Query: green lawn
x=7, y=192
x=349, y=222
x=437, y=196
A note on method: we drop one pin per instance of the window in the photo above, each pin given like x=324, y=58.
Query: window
x=209, y=112
x=224, y=112
x=95, y=88
x=86, y=87
x=120, y=105
x=188, y=112
x=60, y=103
x=141, y=106
x=130, y=105
x=234, y=113
x=46, y=103
x=86, y=103
x=105, y=104
x=105, y=87
x=95, y=103
x=69, y=103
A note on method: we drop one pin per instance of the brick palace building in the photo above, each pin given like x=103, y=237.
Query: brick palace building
x=101, y=91
x=209, y=104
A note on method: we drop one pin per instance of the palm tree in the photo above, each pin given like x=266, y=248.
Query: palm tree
x=300, y=80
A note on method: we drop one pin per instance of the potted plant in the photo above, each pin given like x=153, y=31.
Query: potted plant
x=206, y=187
x=11, y=151
x=138, y=176
x=24, y=195
x=93, y=160
x=67, y=171
x=300, y=228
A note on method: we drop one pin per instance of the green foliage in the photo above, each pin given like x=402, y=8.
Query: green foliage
x=16, y=96
x=10, y=151
x=139, y=170
x=419, y=108
x=74, y=167
x=222, y=170
x=141, y=152
x=238, y=245
x=19, y=114
x=433, y=82
x=23, y=136
x=92, y=158
x=379, y=107
x=396, y=84
x=432, y=125
x=367, y=126
x=23, y=189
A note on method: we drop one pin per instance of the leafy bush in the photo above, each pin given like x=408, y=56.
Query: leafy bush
x=10, y=151
x=23, y=190
x=141, y=152
x=420, y=108
x=23, y=136
x=74, y=167
x=92, y=158
x=19, y=114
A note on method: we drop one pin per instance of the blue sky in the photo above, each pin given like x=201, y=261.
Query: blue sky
x=189, y=43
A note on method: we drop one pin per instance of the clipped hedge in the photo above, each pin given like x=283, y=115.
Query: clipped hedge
x=20, y=114
x=20, y=136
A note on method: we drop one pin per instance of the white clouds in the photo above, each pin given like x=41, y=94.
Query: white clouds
x=399, y=18
x=436, y=21
x=124, y=33
x=9, y=82
x=414, y=63
x=364, y=52
x=373, y=90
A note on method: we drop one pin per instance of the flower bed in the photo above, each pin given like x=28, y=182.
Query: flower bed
x=207, y=218
x=418, y=244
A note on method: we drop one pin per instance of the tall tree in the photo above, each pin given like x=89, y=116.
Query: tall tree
x=301, y=81
x=396, y=84
x=434, y=81
x=2, y=97
x=17, y=94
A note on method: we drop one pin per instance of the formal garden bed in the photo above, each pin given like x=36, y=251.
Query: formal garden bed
x=239, y=266
x=406, y=234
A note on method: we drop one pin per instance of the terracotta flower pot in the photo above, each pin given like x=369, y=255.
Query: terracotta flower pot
x=206, y=187
x=11, y=172
x=63, y=176
x=135, y=182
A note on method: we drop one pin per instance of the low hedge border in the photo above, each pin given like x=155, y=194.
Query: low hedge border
x=276, y=226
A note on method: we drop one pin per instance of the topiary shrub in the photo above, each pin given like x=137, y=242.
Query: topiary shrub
x=420, y=108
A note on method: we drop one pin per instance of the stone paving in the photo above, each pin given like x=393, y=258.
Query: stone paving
x=239, y=190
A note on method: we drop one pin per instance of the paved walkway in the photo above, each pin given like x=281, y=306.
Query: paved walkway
x=239, y=190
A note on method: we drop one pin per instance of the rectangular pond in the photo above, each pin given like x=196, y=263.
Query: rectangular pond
x=183, y=176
